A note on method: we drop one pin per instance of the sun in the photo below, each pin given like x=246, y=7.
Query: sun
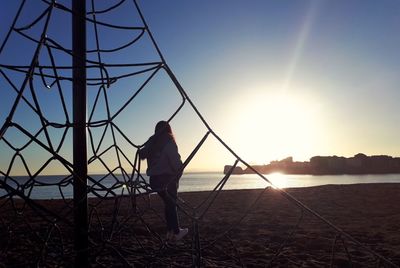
x=275, y=126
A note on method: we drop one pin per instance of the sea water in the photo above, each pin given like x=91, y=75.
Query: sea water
x=43, y=186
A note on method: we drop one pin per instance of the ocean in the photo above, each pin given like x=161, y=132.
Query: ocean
x=191, y=182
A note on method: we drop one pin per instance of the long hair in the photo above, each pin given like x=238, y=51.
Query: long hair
x=162, y=135
x=163, y=128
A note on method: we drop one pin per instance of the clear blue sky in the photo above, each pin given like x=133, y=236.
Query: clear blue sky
x=273, y=78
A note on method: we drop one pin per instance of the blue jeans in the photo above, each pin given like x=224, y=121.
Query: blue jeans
x=167, y=188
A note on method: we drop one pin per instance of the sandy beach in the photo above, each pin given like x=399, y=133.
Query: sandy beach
x=240, y=228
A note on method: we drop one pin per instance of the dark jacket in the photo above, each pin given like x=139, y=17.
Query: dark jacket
x=162, y=156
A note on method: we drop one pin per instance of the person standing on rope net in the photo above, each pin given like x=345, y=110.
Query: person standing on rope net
x=164, y=167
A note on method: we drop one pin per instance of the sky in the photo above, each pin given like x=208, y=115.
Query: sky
x=272, y=78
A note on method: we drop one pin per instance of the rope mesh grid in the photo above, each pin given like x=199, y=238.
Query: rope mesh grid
x=125, y=223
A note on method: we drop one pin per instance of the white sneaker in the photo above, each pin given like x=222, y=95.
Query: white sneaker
x=181, y=234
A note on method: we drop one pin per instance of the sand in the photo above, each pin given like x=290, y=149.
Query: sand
x=241, y=228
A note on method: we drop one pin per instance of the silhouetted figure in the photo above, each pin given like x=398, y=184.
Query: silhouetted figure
x=164, y=169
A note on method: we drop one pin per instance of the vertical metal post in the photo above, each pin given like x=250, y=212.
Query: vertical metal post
x=79, y=133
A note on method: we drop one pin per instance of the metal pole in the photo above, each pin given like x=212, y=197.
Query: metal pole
x=79, y=133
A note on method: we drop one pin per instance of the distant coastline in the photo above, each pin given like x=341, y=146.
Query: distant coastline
x=327, y=165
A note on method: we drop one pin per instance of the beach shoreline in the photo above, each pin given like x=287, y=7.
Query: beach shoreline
x=240, y=227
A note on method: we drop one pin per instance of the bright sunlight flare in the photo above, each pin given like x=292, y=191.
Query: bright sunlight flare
x=270, y=127
x=279, y=180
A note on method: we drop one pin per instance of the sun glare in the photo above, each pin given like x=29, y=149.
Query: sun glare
x=279, y=180
x=273, y=127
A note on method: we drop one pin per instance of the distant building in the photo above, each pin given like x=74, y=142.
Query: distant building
x=358, y=164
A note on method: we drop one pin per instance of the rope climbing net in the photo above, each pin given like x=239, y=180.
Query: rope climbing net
x=124, y=221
